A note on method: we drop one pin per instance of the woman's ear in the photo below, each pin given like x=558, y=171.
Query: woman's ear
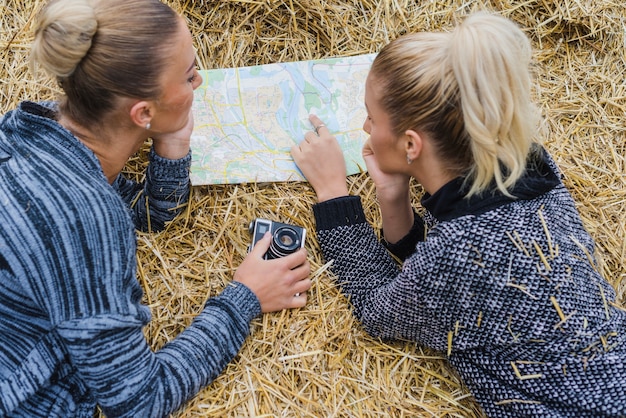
x=141, y=114
x=413, y=144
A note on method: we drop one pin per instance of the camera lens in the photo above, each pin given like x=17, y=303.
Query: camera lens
x=285, y=241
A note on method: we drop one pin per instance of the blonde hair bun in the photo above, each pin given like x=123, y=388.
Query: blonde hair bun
x=63, y=36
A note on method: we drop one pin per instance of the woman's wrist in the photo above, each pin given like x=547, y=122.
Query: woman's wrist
x=171, y=151
x=393, y=194
x=396, y=212
x=330, y=192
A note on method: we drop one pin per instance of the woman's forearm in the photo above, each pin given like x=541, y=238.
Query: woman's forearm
x=397, y=214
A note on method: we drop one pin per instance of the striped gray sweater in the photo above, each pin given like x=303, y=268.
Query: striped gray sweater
x=70, y=313
x=505, y=287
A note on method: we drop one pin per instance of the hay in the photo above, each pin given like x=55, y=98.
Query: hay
x=316, y=361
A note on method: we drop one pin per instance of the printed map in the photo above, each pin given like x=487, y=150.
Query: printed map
x=247, y=119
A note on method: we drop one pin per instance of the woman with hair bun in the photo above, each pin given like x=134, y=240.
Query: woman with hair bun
x=71, y=316
x=498, y=273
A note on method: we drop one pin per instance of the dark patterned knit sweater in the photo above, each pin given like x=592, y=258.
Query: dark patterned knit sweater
x=505, y=287
x=70, y=313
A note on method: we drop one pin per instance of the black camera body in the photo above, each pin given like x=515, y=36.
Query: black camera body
x=286, y=238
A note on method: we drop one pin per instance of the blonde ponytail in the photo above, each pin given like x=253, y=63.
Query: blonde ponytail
x=469, y=90
x=63, y=36
x=490, y=58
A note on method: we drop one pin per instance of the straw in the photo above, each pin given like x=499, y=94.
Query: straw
x=317, y=361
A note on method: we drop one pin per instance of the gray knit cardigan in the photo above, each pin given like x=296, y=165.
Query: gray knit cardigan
x=506, y=288
x=70, y=313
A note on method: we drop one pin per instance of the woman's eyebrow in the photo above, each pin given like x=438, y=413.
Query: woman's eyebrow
x=195, y=62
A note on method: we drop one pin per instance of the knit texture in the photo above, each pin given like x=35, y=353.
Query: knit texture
x=506, y=288
x=70, y=313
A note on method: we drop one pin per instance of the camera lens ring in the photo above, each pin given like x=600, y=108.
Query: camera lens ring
x=285, y=241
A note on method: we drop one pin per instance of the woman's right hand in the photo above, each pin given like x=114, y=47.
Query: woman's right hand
x=278, y=284
x=321, y=160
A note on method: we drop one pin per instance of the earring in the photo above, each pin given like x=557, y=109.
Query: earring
x=408, y=159
x=148, y=126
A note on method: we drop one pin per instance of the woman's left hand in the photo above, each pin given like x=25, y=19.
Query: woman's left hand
x=388, y=186
x=320, y=159
x=174, y=145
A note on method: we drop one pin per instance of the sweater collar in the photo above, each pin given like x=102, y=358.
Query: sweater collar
x=449, y=202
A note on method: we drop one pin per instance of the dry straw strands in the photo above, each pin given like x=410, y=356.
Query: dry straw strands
x=317, y=362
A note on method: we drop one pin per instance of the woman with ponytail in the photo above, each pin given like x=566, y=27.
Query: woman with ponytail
x=498, y=273
x=71, y=316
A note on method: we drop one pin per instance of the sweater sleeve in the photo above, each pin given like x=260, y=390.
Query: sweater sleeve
x=161, y=197
x=85, y=283
x=129, y=380
x=390, y=302
x=365, y=268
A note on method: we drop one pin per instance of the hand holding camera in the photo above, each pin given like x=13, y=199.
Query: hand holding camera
x=286, y=238
x=276, y=269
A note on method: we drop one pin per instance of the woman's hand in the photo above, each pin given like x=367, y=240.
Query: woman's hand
x=392, y=191
x=388, y=186
x=320, y=159
x=174, y=145
x=280, y=283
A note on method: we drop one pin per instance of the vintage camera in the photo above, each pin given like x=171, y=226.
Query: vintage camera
x=286, y=239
